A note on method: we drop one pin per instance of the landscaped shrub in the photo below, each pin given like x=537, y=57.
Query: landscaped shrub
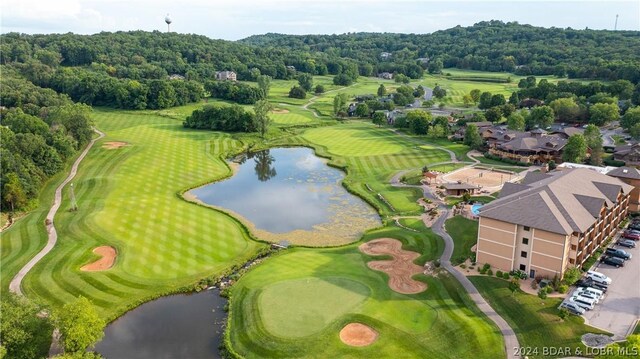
x=505, y=275
x=499, y=273
x=563, y=313
x=563, y=288
x=542, y=293
x=486, y=266
x=534, y=284
x=489, y=272
x=463, y=266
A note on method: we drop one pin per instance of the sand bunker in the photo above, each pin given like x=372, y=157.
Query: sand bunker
x=280, y=110
x=113, y=145
x=480, y=177
x=108, y=258
x=358, y=335
x=400, y=269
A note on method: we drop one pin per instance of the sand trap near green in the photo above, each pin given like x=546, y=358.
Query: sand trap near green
x=302, y=307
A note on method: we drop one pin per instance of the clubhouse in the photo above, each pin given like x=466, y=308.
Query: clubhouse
x=551, y=221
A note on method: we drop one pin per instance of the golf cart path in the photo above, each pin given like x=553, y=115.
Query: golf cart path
x=438, y=227
x=15, y=285
x=313, y=99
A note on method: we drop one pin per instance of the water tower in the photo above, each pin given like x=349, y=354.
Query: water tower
x=167, y=19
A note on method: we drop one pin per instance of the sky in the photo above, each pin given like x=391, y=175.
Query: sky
x=237, y=19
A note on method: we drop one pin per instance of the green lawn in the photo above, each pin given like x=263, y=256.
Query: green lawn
x=294, y=305
x=128, y=199
x=372, y=156
x=535, y=321
x=464, y=233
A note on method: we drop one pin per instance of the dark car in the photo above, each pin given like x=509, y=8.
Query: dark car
x=586, y=282
x=631, y=235
x=634, y=226
x=614, y=252
x=613, y=261
x=626, y=243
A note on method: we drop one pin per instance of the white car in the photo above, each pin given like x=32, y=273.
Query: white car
x=584, y=302
x=586, y=294
x=596, y=292
x=572, y=307
x=598, y=277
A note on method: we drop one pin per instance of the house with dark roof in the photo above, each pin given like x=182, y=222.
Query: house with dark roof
x=629, y=154
x=551, y=221
x=567, y=132
x=458, y=189
x=629, y=175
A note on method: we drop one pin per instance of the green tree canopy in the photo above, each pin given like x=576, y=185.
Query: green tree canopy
x=516, y=122
x=630, y=118
x=419, y=121
x=472, y=137
x=541, y=116
x=79, y=324
x=379, y=118
x=575, y=150
x=264, y=84
x=603, y=113
x=382, y=90
x=306, y=81
x=262, y=120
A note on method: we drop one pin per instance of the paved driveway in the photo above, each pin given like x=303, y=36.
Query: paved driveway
x=621, y=306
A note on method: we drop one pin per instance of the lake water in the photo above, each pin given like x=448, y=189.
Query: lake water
x=177, y=326
x=291, y=194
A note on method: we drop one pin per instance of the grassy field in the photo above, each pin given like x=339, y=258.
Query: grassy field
x=535, y=321
x=128, y=199
x=464, y=233
x=295, y=303
x=372, y=156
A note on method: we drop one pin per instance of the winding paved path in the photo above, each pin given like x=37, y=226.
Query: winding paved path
x=438, y=227
x=15, y=285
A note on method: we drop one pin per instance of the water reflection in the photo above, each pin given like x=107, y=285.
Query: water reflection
x=287, y=189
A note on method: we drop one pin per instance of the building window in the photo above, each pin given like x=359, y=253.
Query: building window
x=526, y=228
x=523, y=254
x=572, y=261
x=523, y=267
x=525, y=240
x=574, y=247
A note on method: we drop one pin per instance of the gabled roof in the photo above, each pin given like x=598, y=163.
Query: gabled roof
x=510, y=188
x=561, y=202
x=625, y=172
x=459, y=186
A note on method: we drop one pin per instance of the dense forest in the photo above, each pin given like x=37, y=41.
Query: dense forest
x=486, y=46
x=40, y=130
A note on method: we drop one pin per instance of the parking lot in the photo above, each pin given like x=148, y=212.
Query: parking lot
x=620, y=308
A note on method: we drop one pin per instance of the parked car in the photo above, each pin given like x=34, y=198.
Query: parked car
x=613, y=261
x=572, y=308
x=634, y=226
x=590, y=283
x=626, y=243
x=584, y=302
x=620, y=253
x=596, y=292
x=586, y=294
x=631, y=235
x=598, y=277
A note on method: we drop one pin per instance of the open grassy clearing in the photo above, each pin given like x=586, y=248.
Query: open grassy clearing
x=323, y=290
x=372, y=156
x=464, y=233
x=128, y=199
x=535, y=321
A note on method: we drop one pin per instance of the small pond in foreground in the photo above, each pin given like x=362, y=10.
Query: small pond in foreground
x=291, y=194
x=177, y=326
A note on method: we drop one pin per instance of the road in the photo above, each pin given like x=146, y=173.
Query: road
x=16, y=282
x=438, y=227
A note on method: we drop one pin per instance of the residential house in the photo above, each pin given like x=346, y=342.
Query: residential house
x=629, y=154
x=386, y=75
x=423, y=60
x=629, y=175
x=385, y=55
x=550, y=222
x=351, y=110
x=226, y=75
x=176, y=77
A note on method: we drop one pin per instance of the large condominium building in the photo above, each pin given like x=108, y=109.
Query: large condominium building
x=550, y=222
x=629, y=175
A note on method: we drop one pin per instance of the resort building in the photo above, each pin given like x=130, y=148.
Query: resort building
x=629, y=154
x=629, y=175
x=529, y=147
x=550, y=221
x=226, y=75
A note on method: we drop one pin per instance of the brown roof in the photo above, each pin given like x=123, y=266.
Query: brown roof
x=561, y=202
x=626, y=149
x=459, y=186
x=569, y=131
x=625, y=172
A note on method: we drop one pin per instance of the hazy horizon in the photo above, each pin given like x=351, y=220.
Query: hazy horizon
x=227, y=20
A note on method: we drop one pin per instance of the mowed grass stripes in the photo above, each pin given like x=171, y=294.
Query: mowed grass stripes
x=128, y=198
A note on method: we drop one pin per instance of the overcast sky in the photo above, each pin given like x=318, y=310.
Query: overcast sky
x=236, y=19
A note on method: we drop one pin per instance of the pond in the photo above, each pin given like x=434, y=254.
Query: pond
x=290, y=194
x=177, y=326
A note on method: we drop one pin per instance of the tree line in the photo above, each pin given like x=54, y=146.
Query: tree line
x=39, y=131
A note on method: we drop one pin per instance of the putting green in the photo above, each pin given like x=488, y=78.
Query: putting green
x=302, y=307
